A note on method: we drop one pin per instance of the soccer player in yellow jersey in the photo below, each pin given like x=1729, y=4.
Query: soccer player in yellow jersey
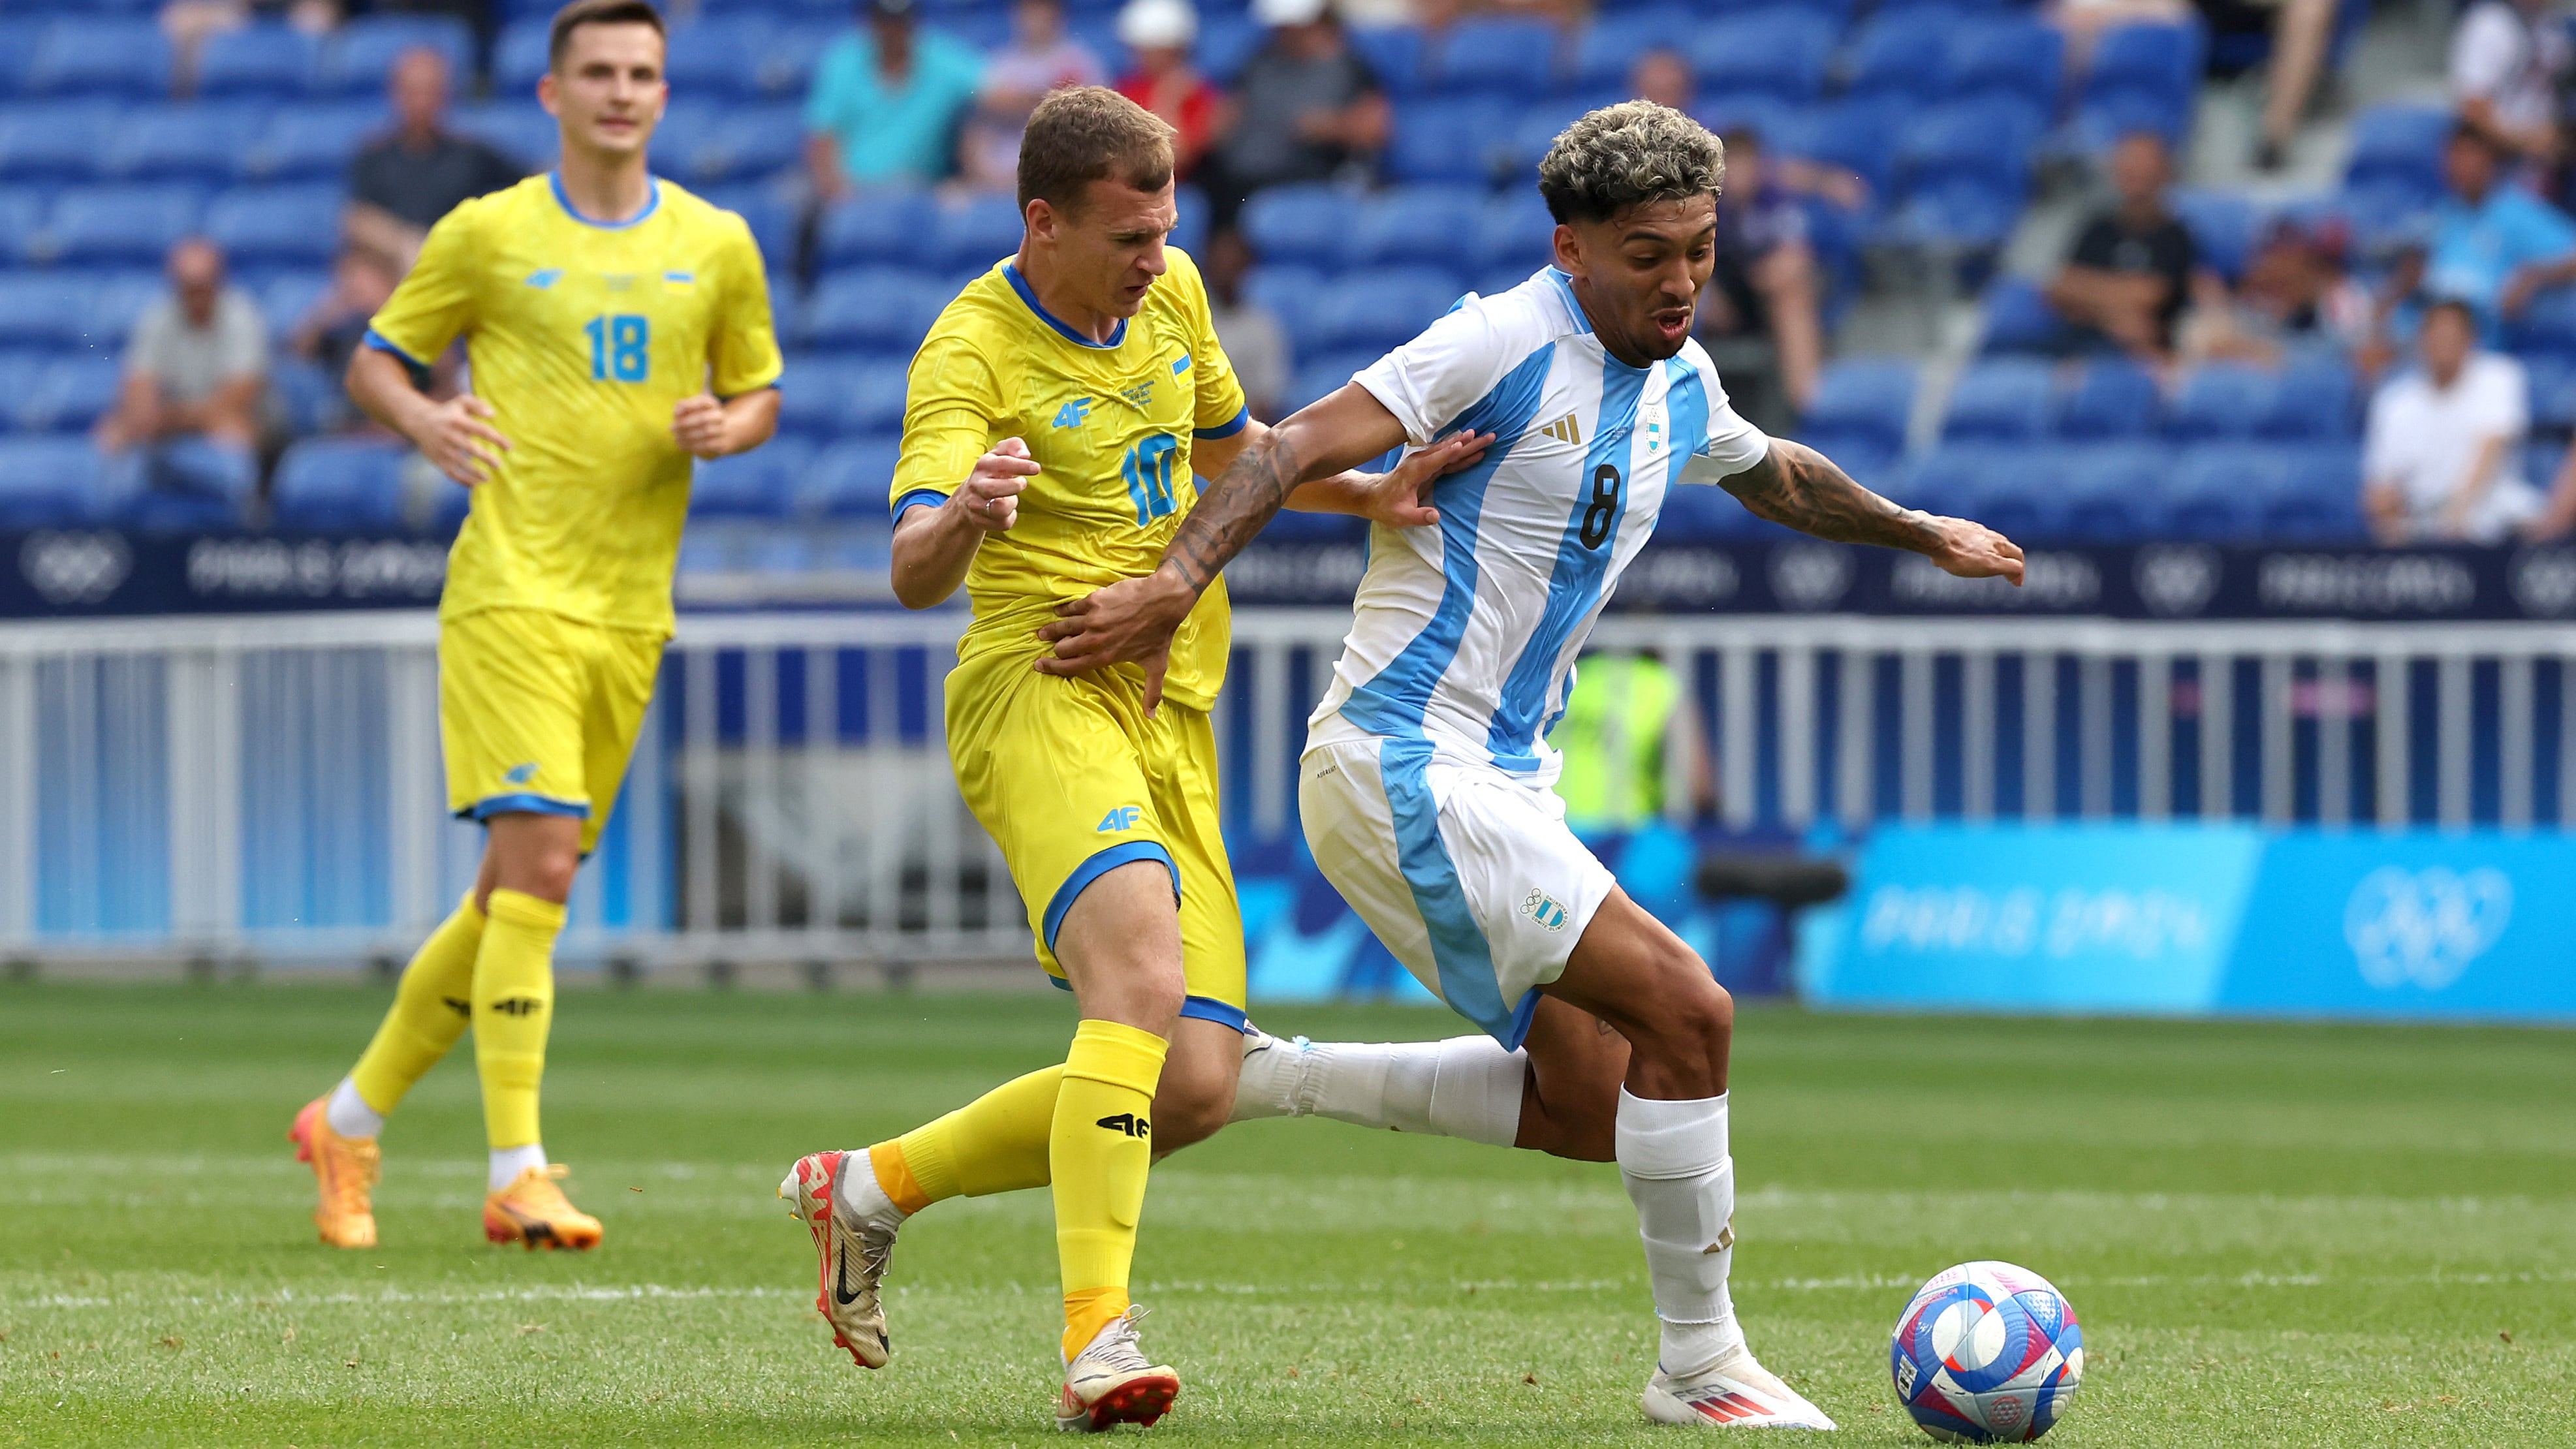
x=619, y=328
x=1056, y=416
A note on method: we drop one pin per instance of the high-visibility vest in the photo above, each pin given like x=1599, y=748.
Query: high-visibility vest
x=1612, y=738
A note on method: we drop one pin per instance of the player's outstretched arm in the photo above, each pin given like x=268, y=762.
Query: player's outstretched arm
x=453, y=435
x=934, y=544
x=1800, y=487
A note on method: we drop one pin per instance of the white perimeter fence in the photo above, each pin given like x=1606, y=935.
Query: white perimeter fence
x=269, y=787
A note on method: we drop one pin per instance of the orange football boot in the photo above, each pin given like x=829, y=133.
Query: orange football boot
x=532, y=1211
x=346, y=1168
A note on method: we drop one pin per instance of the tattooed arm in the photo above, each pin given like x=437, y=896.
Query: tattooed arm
x=1800, y=487
x=1305, y=459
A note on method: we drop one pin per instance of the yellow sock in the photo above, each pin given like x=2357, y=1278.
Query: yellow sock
x=1099, y=1150
x=514, y=1006
x=996, y=1143
x=431, y=1009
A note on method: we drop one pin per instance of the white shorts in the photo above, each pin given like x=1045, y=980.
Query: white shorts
x=1468, y=875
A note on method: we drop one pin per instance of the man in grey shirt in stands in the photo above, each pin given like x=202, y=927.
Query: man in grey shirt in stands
x=196, y=367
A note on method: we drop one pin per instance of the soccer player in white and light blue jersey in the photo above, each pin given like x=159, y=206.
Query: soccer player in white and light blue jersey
x=1426, y=786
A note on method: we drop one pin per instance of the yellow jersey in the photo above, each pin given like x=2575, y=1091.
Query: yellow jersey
x=1110, y=425
x=582, y=335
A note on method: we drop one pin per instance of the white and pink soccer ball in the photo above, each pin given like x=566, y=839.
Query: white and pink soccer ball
x=1987, y=1353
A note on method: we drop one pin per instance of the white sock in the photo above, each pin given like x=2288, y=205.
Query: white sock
x=509, y=1162
x=349, y=1114
x=1466, y=1087
x=1672, y=1157
x=861, y=1198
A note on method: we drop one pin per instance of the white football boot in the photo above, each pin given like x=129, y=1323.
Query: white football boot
x=854, y=1256
x=1275, y=1080
x=1732, y=1393
x=1109, y=1383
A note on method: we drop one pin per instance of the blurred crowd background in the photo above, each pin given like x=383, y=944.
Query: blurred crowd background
x=2095, y=270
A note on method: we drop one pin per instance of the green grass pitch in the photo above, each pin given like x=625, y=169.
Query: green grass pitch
x=2275, y=1235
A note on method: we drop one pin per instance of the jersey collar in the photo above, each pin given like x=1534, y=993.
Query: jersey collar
x=1565, y=289
x=652, y=204
x=1029, y=295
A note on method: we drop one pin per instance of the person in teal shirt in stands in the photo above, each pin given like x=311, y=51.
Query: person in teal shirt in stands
x=886, y=102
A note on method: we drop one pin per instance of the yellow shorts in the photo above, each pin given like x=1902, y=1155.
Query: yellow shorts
x=538, y=712
x=1072, y=780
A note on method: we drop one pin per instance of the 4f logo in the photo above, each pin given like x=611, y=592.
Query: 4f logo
x=1127, y=1124
x=1122, y=818
x=519, y=774
x=518, y=1006
x=1073, y=414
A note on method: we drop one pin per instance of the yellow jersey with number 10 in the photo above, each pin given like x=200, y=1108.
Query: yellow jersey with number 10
x=583, y=335
x=1110, y=425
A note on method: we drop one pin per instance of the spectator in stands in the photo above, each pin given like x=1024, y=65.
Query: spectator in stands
x=885, y=103
x=189, y=24
x=336, y=325
x=187, y=415
x=1759, y=315
x=1661, y=75
x=2132, y=267
x=1158, y=33
x=2296, y=291
x=2084, y=21
x=1252, y=338
x=2298, y=31
x=2494, y=245
x=2441, y=463
x=403, y=182
x=1306, y=108
x=2508, y=58
x=1039, y=58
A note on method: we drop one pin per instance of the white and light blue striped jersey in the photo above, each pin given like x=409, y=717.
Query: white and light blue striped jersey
x=1465, y=633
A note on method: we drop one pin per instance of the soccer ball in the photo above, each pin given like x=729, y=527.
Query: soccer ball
x=1987, y=1353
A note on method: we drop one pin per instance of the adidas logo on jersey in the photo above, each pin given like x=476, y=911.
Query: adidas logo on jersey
x=1565, y=430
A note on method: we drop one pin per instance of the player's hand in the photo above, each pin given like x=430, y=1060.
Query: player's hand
x=990, y=497
x=459, y=443
x=1974, y=551
x=1131, y=621
x=698, y=425
x=1401, y=497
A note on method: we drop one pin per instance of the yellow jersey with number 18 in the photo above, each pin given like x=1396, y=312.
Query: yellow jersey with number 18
x=1110, y=425
x=583, y=335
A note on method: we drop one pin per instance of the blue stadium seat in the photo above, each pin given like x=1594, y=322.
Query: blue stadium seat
x=22, y=215
x=1380, y=309
x=286, y=297
x=314, y=143
x=19, y=36
x=2142, y=78
x=263, y=61
x=1394, y=53
x=519, y=130
x=719, y=56
x=702, y=146
x=758, y=484
x=47, y=482
x=95, y=226
x=2113, y=493
x=1514, y=233
x=976, y=233
x=2551, y=380
x=1536, y=126
x=68, y=394
x=2111, y=398
x=1985, y=142
x=815, y=390
x=1869, y=398
x=1288, y=290
x=1607, y=50
x=1705, y=515
x=2222, y=226
x=2016, y=57
x=1728, y=113
x=2219, y=491
x=2398, y=145
x=335, y=485
x=1944, y=479
x=850, y=479
x=1779, y=53
x=54, y=142
x=1851, y=133
x=358, y=55
x=874, y=310
x=1967, y=216
x=2548, y=324
x=276, y=226
x=1448, y=140
x=876, y=399
x=771, y=216
x=519, y=58
x=1326, y=374
x=2313, y=400
x=201, y=143
x=45, y=309
x=880, y=228
x=1422, y=225
x=1511, y=57
x=2022, y=493
x=118, y=57
x=1225, y=42
x=2018, y=318
x=2000, y=400
x=2221, y=400
x=1306, y=225
x=1904, y=54
x=2320, y=501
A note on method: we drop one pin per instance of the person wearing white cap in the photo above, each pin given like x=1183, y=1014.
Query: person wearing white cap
x=1305, y=107
x=1158, y=33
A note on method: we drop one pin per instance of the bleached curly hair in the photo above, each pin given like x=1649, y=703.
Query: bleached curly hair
x=1630, y=154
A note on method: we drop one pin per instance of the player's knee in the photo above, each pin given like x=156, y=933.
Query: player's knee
x=1693, y=1023
x=1188, y=1109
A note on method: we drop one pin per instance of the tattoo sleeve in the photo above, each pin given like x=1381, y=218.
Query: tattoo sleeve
x=1800, y=487
x=1246, y=496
